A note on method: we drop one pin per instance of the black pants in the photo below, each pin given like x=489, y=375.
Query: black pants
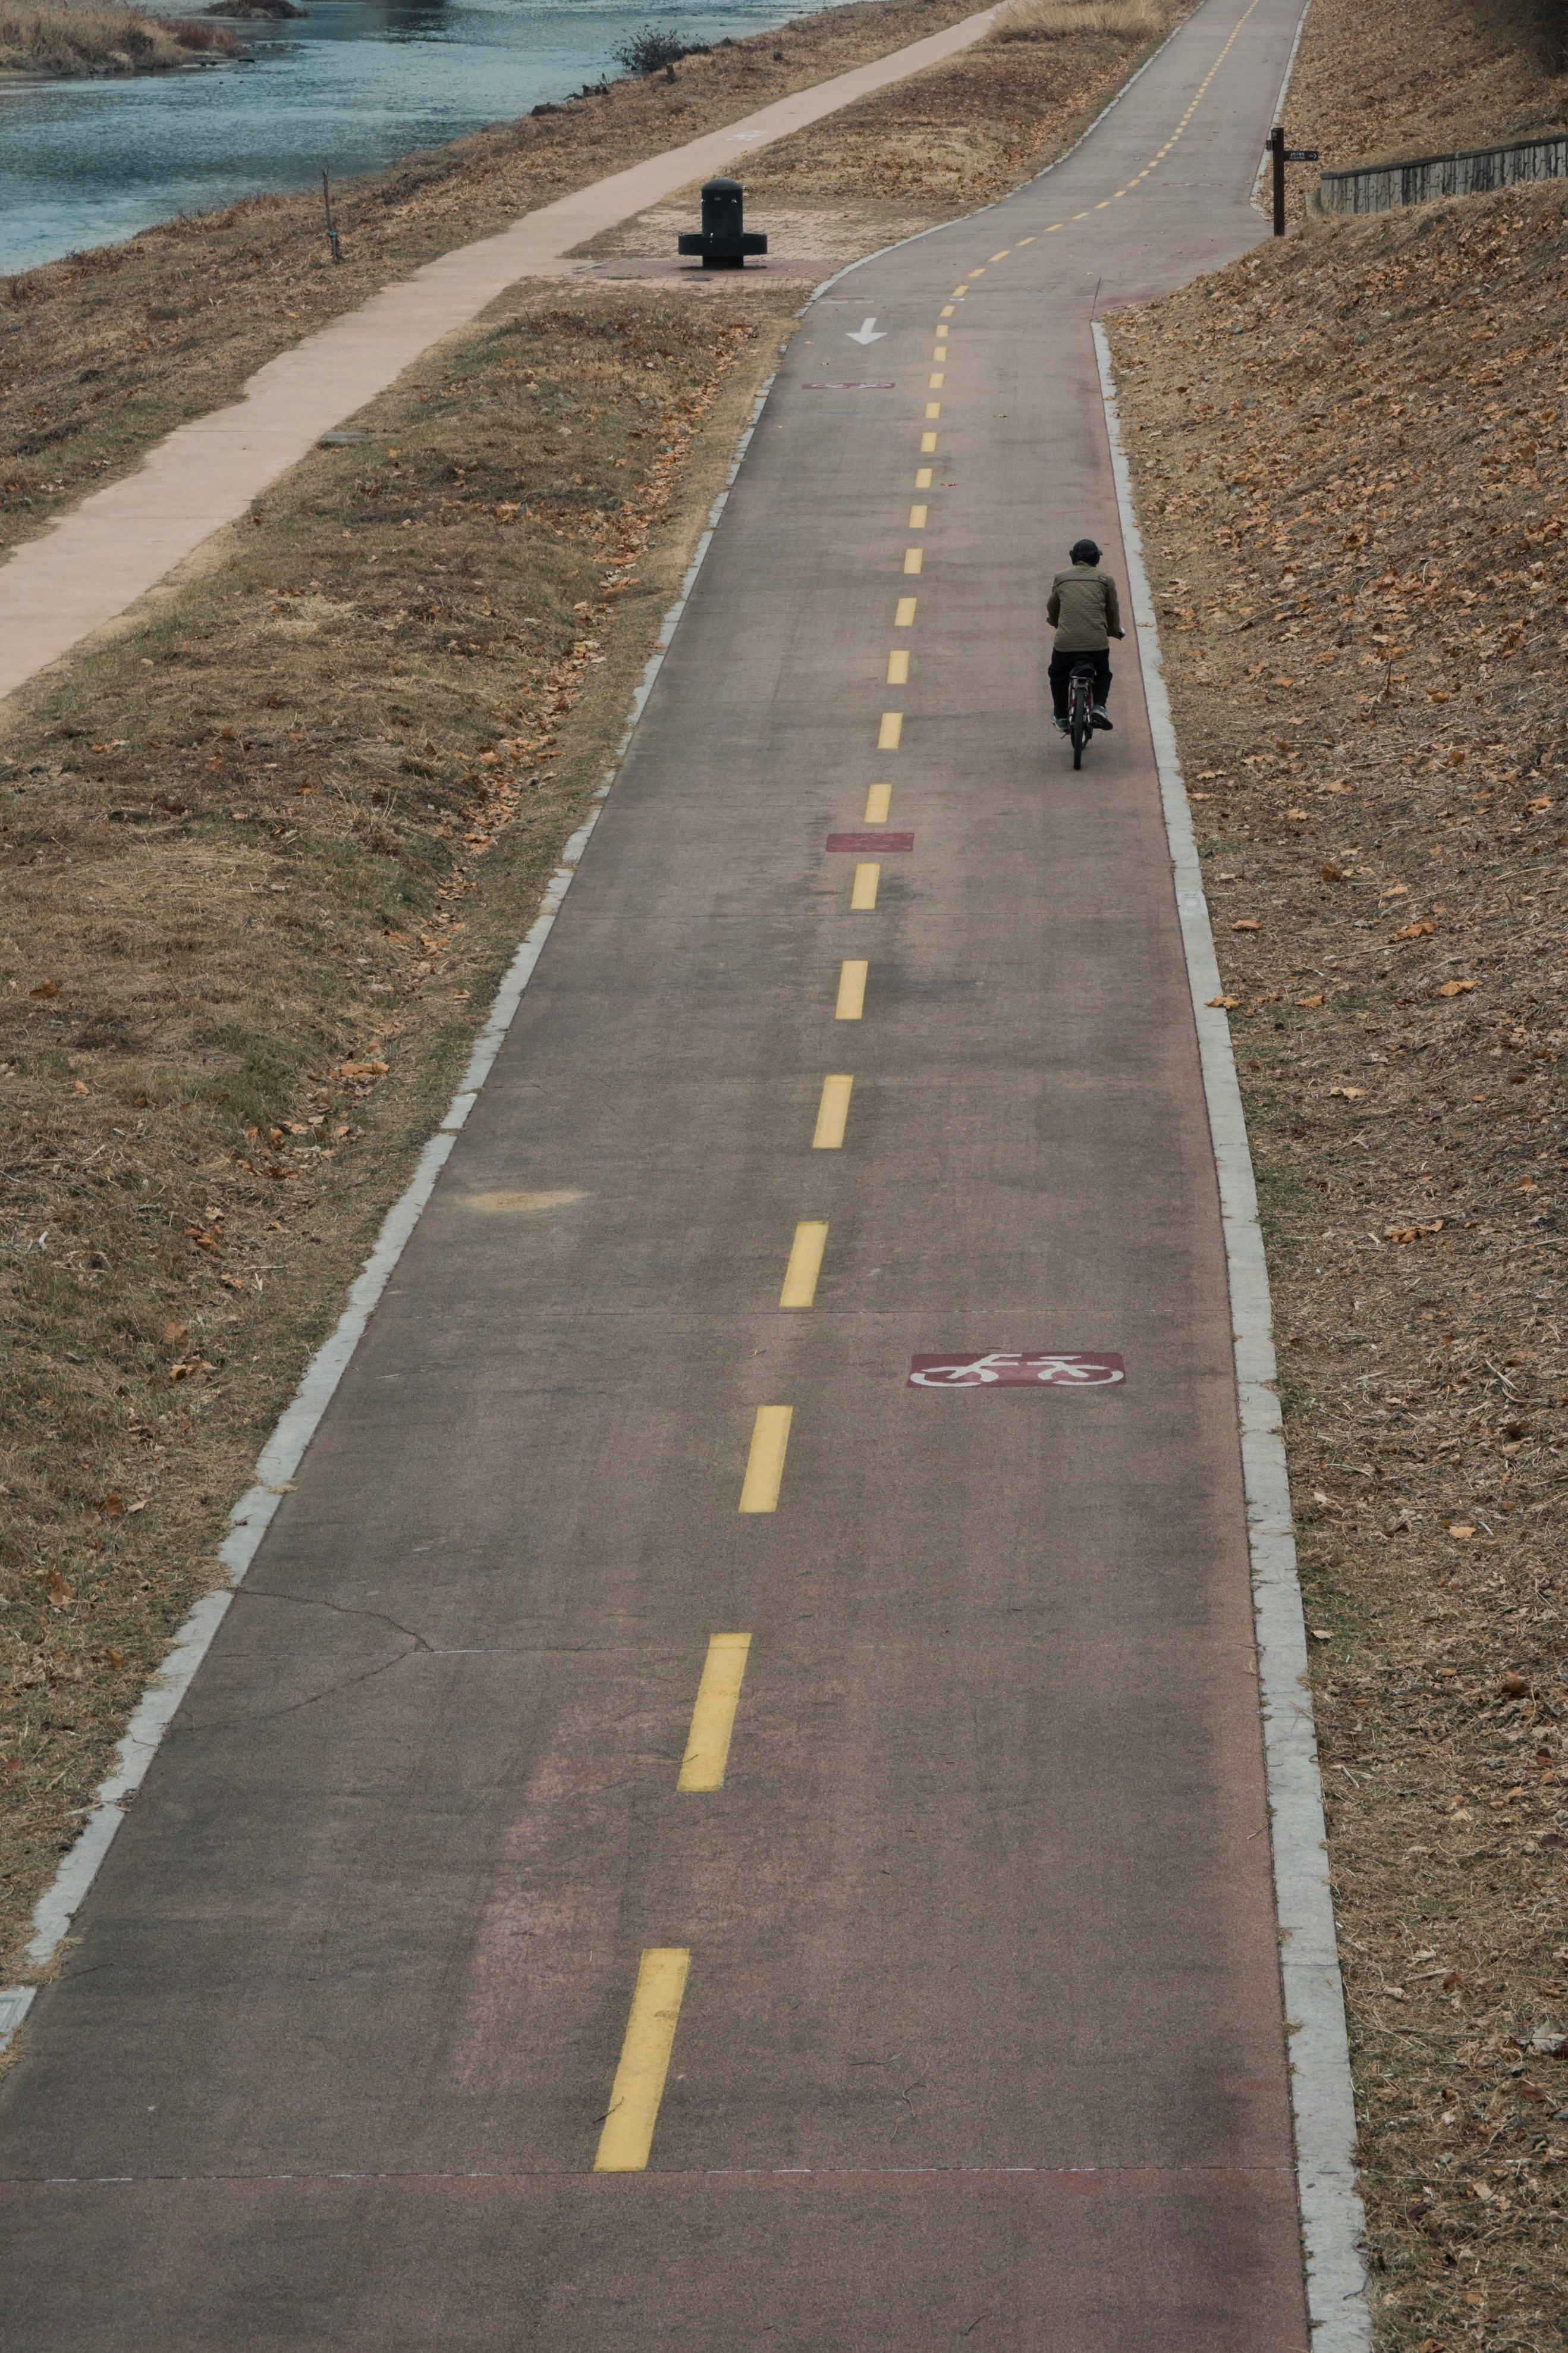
x=1061, y=669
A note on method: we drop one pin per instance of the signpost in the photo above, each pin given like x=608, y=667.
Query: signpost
x=1283, y=155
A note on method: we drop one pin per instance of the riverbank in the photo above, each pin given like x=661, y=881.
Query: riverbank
x=100, y=36
x=110, y=349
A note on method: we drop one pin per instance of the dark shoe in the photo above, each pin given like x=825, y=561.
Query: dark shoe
x=1098, y=718
x=1060, y=724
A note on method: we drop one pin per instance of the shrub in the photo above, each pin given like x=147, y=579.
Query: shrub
x=1058, y=20
x=656, y=45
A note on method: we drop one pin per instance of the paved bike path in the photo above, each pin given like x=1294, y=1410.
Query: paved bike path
x=981, y=2039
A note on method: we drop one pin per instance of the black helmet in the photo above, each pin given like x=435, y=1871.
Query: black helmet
x=1084, y=551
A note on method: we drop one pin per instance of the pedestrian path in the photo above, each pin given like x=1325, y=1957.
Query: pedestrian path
x=121, y=541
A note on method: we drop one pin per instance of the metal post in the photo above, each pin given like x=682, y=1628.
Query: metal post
x=1277, y=149
x=327, y=208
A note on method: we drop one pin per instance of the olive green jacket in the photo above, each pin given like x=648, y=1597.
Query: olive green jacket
x=1083, y=610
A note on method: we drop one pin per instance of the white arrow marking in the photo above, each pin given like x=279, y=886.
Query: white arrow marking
x=866, y=333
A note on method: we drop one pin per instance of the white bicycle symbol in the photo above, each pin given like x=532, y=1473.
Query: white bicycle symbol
x=974, y=1372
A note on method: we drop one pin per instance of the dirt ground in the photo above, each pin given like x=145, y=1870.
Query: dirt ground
x=264, y=854
x=1348, y=457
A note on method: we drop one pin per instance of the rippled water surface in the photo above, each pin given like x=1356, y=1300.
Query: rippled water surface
x=352, y=87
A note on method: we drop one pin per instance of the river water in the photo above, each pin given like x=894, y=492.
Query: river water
x=352, y=87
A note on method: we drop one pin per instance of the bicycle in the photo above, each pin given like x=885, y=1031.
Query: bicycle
x=1080, y=708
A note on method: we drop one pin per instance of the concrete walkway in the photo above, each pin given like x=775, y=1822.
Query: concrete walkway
x=119, y=542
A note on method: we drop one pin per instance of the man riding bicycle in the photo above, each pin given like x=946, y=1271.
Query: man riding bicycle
x=1085, y=615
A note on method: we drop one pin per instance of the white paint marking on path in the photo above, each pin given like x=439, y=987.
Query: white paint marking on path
x=119, y=542
x=868, y=332
x=285, y=1449
x=1323, y=2104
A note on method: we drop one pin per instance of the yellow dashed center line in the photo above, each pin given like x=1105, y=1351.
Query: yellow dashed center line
x=922, y=478
x=934, y=410
x=928, y=447
x=804, y=1263
x=638, y=2087
x=898, y=668
x=770, y=1432
x=832, y=1118
x=890, y=733
x=913, y=559
x=904, y=613
x=724, y=1669
x=850, y=1002
x=863, y=892
x=880, y=798
x=935, y=383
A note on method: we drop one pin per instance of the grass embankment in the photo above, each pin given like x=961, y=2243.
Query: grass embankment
x=284, y=833
x=98, y=36
x=1375, y=84
x=1350, y=462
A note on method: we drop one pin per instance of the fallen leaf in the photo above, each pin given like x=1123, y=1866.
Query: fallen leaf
x=1310, y=1000
x=1461, y=1529
x=1392, y=891
x=1246, y=923
x=1350, y=1094
x=113, y=1659
x=1412, y=932
x=1296, y=816
x=1227, y=1001
x=1454, y=988
x=113, y=1505
x=45, y=988
x=1329, y=874
x=1434, y=694
x=1513, y=1685
x=60, y=1593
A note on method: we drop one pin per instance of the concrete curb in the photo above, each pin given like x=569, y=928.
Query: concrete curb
x=284, y=1450
x=1321, y=2098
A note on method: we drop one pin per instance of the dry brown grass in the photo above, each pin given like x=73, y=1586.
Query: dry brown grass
x=1061, y=20
x=1377, y=83
x=265, y=858
x=64, y=36
x=1350, y=456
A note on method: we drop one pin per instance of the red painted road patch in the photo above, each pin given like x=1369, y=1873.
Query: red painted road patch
x=884, y=842
x=1006, y=1368
x=888, y=386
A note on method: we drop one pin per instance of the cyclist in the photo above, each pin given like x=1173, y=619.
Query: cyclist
x=1085, y=615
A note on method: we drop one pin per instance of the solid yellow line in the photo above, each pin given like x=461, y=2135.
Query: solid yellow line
x=863, y=894
x=832, y=1118
x=922, y=478
x=911, y=559
x=638, y=2087
x=918, y=513
x=904, y=617
x=933, y=408
x=804, y=1263
x=718, y=1696
x=928, y=445
x=898, y=668
x=891, y=731
x=851, y=1002
x=765, y=1461
x=879, y=800
x=936, y=380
